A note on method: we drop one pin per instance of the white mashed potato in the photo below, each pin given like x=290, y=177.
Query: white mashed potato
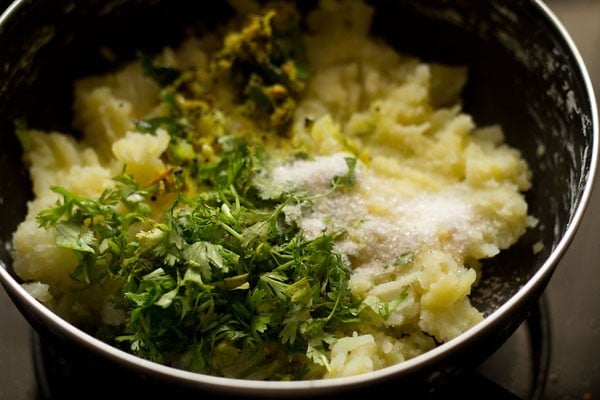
x=434, y=193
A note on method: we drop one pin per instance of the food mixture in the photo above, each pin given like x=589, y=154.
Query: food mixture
x=270, y=202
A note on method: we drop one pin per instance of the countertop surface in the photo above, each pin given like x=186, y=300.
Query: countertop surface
x=573, y=293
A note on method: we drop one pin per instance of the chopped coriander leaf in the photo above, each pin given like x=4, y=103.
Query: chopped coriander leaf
x=221, y=275
x=162, y=75
x=151, y=125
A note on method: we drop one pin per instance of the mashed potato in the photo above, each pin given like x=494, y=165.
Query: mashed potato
x=432, y=193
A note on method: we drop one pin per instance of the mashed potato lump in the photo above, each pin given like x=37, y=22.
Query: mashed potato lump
x=360, y=144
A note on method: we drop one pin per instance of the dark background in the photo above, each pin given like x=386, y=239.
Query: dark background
x=572, y=297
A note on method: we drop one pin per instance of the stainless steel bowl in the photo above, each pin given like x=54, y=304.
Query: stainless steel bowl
x=525, y=73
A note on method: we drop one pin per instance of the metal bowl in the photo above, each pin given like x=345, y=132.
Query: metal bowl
x=525, y=73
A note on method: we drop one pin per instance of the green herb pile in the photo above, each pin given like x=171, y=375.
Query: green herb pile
x=220, y=284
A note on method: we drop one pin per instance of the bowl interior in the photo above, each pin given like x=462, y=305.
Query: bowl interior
x=522, y=75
